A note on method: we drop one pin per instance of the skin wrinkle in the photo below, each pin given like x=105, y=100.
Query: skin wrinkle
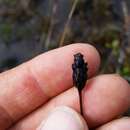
x=34, y=75
x=45, y=77
x=37, y=88
x=5, y=119
x=37, y=83
x=19, y=108
x=28, y=91
x=49, y=93
x=52, y=83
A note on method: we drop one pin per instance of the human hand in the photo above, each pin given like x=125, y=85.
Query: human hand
x=32, y=90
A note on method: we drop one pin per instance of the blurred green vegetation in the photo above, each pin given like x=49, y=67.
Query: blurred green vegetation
x=9, y=2
x=6, y=32
x=40, y=25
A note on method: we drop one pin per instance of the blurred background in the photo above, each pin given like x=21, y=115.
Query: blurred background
x=31, y=27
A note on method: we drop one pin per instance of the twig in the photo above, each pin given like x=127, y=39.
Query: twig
x=50, y=30
x=61, y=43
x=124, y=38
x=80, y=102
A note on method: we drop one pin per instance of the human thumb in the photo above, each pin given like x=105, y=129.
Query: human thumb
x=64, y=118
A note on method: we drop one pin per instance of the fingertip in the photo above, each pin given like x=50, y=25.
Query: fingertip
x=91, y=55
x=118, y=124
x=66, y=53
x=105, y=98
x=64, y=118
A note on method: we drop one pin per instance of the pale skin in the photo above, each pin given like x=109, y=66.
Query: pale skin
x=30, y=91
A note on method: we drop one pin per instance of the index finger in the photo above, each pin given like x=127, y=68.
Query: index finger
x=30, y=85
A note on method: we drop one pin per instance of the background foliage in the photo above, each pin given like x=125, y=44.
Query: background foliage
x=30, y=27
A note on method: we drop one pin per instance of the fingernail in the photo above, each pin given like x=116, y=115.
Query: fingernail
x=64, y=118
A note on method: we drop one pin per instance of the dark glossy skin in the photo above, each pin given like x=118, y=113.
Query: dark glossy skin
x=79, y=71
